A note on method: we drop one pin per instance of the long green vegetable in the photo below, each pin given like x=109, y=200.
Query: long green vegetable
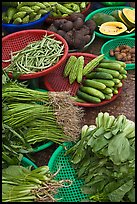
x=25, y=185
x=36, y=56
x=33, y=117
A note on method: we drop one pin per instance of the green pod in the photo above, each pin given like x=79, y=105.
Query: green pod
x=42, y=11
x=35, y=8
x=26, y=4
x=63, y=9
x=38, y=16
x=72, y=6
x=17, y=21
x=41, y=5
x=10, y=13
x=32, y=15
x=25, y=19
x=20, y=14
x=26, y=9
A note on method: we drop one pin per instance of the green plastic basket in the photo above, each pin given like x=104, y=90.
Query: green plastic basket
x=111, y=44
x=47, y=144
x=72, y=193
x=113, y=3
x=108, y=10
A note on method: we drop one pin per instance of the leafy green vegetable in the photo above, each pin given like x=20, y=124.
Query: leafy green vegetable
x=108, y=163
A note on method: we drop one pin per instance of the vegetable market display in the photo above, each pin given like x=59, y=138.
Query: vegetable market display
x=104, y=157
x=20, y=184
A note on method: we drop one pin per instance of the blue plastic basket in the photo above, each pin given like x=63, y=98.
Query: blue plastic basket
x=11, y=28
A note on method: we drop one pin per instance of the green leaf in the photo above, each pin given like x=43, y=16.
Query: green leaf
x=131, y=195
x=119, y=149
x=99, y=143
x=118, y=194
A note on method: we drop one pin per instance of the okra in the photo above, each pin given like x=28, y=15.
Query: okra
x=71, y=61
x=41, y=5
x=38, y=16
x=92, y=64
x=35, y=8
x=80, y=69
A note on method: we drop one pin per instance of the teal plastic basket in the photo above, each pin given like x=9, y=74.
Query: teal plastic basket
x=27, y=162
x=109, y=10
x=57, y=161
x=111, y=44
x=114, y=3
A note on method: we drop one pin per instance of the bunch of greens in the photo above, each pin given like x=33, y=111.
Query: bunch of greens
x=31, y=117
x=105, y=158
x=20, y=184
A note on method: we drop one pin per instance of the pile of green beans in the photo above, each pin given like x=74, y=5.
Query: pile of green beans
x=36, y=57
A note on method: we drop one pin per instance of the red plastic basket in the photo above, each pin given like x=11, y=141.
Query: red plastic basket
x=56, y=82
x=85, y=12
x=18, y=40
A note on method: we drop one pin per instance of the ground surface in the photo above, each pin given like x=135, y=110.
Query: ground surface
x=124, y=104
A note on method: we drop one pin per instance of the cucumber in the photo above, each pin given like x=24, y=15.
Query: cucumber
x=116, y=81
x=115, y=91
x=124, y=76
x=120, y=76
x=123, y=71
x=99, y=75
x=113, y=66
x=107, y=82
x=108, y=96
x=113, y=61
x=107, y=90
x=114, y=73
x=118, y=85
x=94, y=84
x=87, y=97
x=92, y=91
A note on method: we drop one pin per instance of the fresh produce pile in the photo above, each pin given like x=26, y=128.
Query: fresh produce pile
x=20, y=184
x=115, y=23
x=24, y=12
x=99, y=79
x=64, y=9
x=31, y=117
x=124, y=53
x=36, y=56
x=105, y=158
x=75, y=30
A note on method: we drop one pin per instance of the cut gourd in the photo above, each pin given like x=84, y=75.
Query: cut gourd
x=129, y=16
x=112, y=28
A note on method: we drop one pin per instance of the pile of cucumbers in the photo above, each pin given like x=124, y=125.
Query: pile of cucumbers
x=25, y=12
x=99, y=79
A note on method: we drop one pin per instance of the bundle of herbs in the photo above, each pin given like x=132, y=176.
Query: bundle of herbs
x=35, y=117
x=105, y=158
x=20, y=184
